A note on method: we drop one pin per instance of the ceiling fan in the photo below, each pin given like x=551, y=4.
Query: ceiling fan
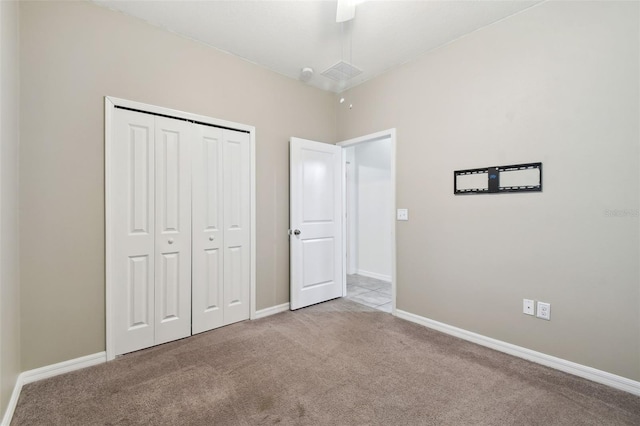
x=341, y=71
x=346, y=10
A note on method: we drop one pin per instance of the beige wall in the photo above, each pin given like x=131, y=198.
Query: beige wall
x=557, y=83
x=9, y=136
x=72, y=55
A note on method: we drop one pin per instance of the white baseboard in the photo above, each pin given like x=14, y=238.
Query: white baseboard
x=13, y=402
x=63, y=367
x=45, y=372
x=570, y=367
x=375, y=275
x=272, y=310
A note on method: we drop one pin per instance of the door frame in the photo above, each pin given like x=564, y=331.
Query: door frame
x=391, y=134
x=110, y=103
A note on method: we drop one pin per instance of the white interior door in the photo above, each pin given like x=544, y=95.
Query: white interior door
x=180, y=219
x=237, y=225
x=221, y=228
x=208, y=231
x=151, y=230
x=133, y=230
x=173, y=229
x=316, y=222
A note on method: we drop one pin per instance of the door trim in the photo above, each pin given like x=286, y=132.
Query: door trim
x=110, y=103
x=391, y=134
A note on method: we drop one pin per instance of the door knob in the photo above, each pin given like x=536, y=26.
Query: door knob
x=211, y=238
x=170, y=241
x=296, y=232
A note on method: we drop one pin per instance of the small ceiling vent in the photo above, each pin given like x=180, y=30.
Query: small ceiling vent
x=341, y=71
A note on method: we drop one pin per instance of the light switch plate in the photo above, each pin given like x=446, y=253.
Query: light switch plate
x=403, y=214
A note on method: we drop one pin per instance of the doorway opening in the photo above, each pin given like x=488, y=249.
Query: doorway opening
x=317, y=229
x=369, y=200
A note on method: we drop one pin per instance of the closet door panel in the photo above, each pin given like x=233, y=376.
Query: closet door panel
x=132, y=230
x=173, y=229
x=237, y=237
x=207, y=216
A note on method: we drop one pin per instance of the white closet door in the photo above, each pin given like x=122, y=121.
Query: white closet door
x=237, y=221
x=132, y=231
x=173, y=229
x=208, y=267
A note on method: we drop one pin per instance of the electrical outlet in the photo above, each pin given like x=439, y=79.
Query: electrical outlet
x=403, y=214
x=528, y=306
x=544, y=311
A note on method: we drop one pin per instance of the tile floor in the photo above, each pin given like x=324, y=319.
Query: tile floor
x=370, y=292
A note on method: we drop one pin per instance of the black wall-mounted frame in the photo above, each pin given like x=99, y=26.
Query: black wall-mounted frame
x=515, y=178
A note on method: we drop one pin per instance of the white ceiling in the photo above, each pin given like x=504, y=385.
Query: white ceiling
x=286, y=36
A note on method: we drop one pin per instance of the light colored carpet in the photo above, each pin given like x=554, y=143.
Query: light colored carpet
x=337, y=363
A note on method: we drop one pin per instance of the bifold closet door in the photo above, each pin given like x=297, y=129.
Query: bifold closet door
x=221, y=228
x=207, y=216
x=151, y=230
x=173, y=229
x=237, y=225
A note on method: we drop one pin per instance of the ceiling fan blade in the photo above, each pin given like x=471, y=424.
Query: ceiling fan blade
x=346, y=10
